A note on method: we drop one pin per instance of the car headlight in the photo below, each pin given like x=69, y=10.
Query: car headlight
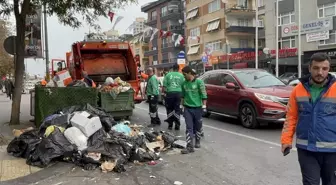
x=265, y=97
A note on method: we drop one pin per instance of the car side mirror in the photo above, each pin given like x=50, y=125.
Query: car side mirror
x=231, y=85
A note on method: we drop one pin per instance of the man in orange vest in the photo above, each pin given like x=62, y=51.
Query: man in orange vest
x=44, y=82
x=88, y=80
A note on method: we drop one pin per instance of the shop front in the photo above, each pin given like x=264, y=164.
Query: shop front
x=330, y=52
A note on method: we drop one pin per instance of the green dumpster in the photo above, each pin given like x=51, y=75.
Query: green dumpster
x=48, y=100
x=120, y=106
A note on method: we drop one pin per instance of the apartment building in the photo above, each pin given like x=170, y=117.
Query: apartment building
x=139, y=25
x=213, y=23
x=166, y=15
x=140, y=47
x=317, y=31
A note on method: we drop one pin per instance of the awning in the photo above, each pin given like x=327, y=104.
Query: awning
x=193, y=50
x=192, y=13
x=213, y=25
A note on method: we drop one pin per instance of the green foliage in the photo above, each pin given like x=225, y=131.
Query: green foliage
x=6, y=61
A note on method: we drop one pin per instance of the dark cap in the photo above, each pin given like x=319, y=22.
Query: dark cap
x=176, y=66
x=188, y=69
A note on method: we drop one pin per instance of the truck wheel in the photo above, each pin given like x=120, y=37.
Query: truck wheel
x=248, y=116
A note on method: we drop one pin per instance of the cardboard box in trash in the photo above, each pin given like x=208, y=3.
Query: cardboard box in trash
x=86, y=123
x=62, y=78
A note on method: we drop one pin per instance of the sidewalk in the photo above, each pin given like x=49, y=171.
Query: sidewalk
x=12, y=167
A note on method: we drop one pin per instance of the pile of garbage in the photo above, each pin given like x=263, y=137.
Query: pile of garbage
x=116, y=86
x=88, y=137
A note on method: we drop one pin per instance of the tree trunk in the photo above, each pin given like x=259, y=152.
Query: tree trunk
x=19, y=70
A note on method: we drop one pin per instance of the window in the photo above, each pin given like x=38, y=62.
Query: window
x=193, y=50
x=243, y=43
x=331, y=40
x=192, y=13
x=261, y=23
x=243, y=22
x=226, y=78
x=213, y=25
x=164, y=11
x=326, y=10
x=194, y=32
x=213, y=79
x=287, y=42
x=213, y=46
x=261, y=3
x=164, y=42
x=242, y=3
x=257, y=79
x=214, y=6
x=286, y=18
x=153, y=15
x=137, y=51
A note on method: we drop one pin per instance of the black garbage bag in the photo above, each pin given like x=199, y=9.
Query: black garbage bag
x=60, y=120
x=78, y=83
x=141, y=155
x=53, y=147
x=25, y=144
x=85, y=162
x=168, y=138
x=152, y=136
x=97, y=139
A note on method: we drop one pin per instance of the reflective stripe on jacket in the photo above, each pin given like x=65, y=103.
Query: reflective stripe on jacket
x=314, y=123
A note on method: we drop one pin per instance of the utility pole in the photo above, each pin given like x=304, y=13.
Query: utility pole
x=299, y=40
x=46, y=42
x=256, y=34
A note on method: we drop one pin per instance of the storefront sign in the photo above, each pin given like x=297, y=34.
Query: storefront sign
x=213, y=59
x=312, y=37
x=248, y=56
x=323, y=24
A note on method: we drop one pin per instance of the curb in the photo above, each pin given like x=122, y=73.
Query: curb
x=52, y=171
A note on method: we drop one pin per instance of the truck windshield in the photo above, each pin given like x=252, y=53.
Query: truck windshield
x=258, y=79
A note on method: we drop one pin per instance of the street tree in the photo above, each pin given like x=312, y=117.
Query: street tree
x=6, y=61
x=69, y=12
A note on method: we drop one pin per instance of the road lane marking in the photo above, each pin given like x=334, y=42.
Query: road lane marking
x=228, y=131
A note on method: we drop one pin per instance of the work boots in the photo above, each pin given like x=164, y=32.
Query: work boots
x=177, y=125
x=198, y=137
x=190, y=147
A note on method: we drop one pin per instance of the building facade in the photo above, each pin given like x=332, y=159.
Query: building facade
x=166, y=15
x=139, y=25
x=213, y=23
x=140, y=47
x=317, y=30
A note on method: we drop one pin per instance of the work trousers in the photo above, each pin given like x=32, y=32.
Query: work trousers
x=316, y=166
x=173, y=100
x=153, y=109
x=193, y=119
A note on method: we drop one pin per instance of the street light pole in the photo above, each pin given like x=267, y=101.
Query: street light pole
x=256, y=34
x=46, y=42
x=299, y=40
x=277, y=40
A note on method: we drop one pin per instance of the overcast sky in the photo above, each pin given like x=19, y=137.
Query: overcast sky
x=61, y=37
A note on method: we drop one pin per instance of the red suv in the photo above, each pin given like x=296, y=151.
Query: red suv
x=251, y=95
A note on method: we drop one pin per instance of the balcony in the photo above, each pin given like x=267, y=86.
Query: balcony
x=240, y=30
x=151, y=53
x=240, y=11
x=236, y=50
x=151, y=22
x=173, y=14
x=169, y=47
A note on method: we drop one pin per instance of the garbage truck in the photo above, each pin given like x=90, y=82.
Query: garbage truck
x=102, y=59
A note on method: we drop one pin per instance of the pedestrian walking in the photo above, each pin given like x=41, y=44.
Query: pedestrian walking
x=152, y=92
x=9, y=85
x=172, y=88
x=311, y=114
x=193, y=104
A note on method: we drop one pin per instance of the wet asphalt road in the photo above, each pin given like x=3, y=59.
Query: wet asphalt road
x=230, y=155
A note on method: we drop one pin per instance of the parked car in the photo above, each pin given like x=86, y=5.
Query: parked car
x=297, y=81
x=253, y=96
x=288, y=77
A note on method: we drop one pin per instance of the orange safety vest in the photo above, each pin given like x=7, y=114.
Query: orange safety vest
x=93, y=83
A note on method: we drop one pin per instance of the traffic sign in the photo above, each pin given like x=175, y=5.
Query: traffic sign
x=181, y=58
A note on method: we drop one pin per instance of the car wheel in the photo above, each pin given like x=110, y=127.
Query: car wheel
x=248, y=116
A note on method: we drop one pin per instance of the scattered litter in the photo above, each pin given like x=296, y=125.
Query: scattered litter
x=90, y=138
x=178, y=183
x=180, y=144
x=116, y=179
x=152, y=176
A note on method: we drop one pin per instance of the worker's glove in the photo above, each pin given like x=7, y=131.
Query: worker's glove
x=204, y=108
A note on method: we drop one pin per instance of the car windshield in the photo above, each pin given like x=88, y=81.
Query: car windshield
x=286, y=75
x=258, y=79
